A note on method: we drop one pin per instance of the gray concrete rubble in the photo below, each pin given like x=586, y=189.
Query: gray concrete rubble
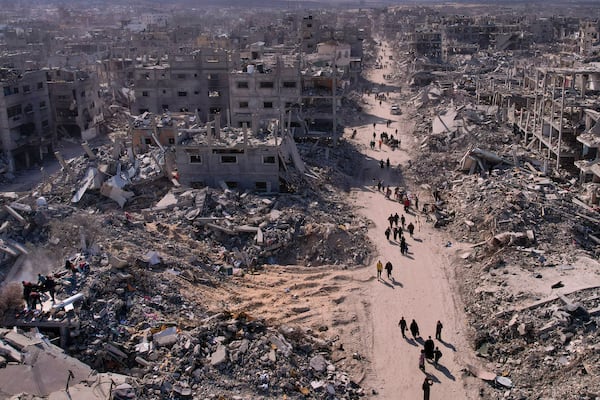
x=524, y=235
x=125, y=311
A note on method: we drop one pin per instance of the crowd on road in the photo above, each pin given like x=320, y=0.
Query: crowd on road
x=399, y=230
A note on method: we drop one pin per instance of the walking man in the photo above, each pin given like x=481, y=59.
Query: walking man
x=402, y=324
x=437, y=354
x=429, y=348
x=422, y=361
x=403, y=247
x=411, y=229
x=414, y=330
x=438, y=331
x=388, y=269
x=426, y=387
x=391, y=220
x=387, y=233
x=402, y=220
x=379, y=269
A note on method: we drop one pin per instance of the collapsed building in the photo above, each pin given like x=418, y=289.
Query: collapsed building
x=26, y=120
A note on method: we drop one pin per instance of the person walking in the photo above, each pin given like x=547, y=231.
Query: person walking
x=388, y=269
x=437, y=354
x=391, y=220
x=438, y=331
x=416, y=203
x=402, y=324
x=380, y=143
x=379, y=269
x=406, y=204
x=395, y=231
x=411, y=228
x=27, y=289
x=35, y=298
x=379, y=185
x=403, y=246
x=387, y=233
x=426, y=388
x=422, y=361
x=429, y=347
x=387, y=163
x=414, y=330
x=402, y=220
x=50, y=286
x=396, y=217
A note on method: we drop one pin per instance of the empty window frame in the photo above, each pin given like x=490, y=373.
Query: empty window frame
x=228, y=159
x=266, y=85
x=242, y=85
x=268, y=159
x=195, y=159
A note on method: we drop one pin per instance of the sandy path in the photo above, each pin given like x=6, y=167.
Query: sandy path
x=420, y=289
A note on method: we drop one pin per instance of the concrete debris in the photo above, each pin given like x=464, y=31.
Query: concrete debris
x=527, y=220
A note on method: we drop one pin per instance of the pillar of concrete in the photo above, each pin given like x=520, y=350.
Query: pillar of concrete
x=62, y=162
x=88, y=151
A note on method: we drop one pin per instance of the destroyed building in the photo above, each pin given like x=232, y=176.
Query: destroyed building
x=75, y=102
x=228, y=158
x=195, y=82
x=553, y=113
x=264, y=89
x=26, y=121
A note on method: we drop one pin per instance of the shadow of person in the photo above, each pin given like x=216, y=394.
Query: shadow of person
x=416, y=239
x=448, y=345
x=411, y=341
x=433, y=377
x=387, y=284
x=444, y=371
x=420, y=340
x=397, y=283
x=408, y=256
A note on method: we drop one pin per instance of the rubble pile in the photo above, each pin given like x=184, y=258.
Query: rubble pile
x=155, y=257
x=238, y=354
x=548, y=349
x=522, y=225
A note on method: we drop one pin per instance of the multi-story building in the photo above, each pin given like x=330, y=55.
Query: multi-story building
x=230, y=157
x=196, y=82
x=310, y=33
x=589, y=37
x=262, y=91
x=75, y=102
x=26, y=124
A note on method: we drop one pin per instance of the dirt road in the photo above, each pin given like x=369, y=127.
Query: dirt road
x=421, y=286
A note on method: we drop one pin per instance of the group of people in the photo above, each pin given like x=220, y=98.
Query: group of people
x=430, y=351
x=388, y=269
x=32, y=292
x=397, y=232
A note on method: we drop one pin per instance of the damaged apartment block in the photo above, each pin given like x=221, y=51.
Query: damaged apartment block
x=228, y=158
